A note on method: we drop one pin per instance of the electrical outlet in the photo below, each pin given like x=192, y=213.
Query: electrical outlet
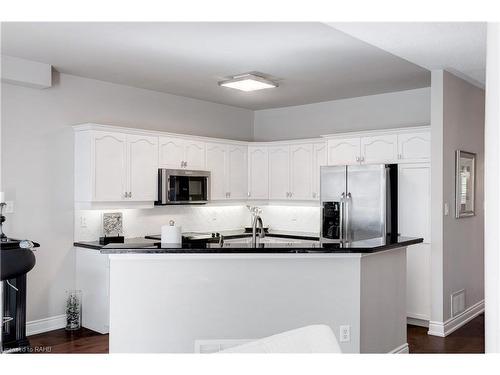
x=83, y=222
x=9, y=207
x=345, y=334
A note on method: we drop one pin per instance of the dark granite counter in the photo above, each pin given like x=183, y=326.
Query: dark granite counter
x=274, y=242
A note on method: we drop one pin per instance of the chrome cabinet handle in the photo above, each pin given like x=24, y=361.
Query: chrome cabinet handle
x=357, y=158
x=130, y=194
x=249, y=194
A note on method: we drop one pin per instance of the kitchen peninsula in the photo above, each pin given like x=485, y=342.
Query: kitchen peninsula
x=203, y=297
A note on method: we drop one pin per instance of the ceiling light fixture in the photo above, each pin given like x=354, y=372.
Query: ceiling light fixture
x=248, y=82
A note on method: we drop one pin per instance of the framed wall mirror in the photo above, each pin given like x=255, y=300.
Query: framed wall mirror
x=465, y=176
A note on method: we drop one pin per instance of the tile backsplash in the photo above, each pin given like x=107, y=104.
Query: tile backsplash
x=140, y=222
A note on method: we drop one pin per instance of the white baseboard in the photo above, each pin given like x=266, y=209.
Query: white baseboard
x=403, y=349
x=417, y=322
x=44, y=325
x=443, y=329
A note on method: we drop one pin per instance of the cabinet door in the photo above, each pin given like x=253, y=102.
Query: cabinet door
x=258, y=177
x=301, y=159
x=379, y=149
x=142, y=160
x=216, y=164
x=109, y=166
x=414, y=147
x=319, y=160
x=279, y=168
x=170, y=152
x=237, y=172
x=194, y=154
x=343, y=151
x=414, y=221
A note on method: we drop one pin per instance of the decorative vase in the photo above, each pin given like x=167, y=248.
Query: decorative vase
x=73, y=310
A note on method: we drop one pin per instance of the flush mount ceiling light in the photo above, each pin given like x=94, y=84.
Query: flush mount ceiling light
x=248, y=82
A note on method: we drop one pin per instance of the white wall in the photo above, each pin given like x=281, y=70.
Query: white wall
x=383, y=111
x=492, y=202
x=37, y=161
x=457, y=244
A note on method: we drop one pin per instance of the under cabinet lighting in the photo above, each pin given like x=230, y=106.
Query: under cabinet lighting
x=248, y=82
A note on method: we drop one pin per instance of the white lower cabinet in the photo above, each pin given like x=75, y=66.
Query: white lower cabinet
x=414, y=221
x=258, y=172
x=228, y=166
x=92, y=278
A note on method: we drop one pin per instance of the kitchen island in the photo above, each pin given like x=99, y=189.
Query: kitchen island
x=207, y=296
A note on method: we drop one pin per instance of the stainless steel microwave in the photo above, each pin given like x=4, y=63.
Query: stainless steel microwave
x=182, y=186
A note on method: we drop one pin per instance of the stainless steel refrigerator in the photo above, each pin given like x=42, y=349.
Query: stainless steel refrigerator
x=358, y=202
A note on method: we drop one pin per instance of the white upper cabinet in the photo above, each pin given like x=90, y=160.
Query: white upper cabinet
x=414, y=147
x=237, y=173
x=109, y=166
x=397, y=146
x=194, y=154
x=176, y=153
x=216, y=164
x=344, y=151
x=319, y=160
x=279, y=172
x=228, y=166
x=170, y=152
x=115, y=167
x=301, y=171
x=258, y=177
x=379, y=149
x=142, y=159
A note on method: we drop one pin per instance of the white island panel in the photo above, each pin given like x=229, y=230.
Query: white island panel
x=164, y=303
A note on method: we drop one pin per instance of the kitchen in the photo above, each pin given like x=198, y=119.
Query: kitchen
x=240, y=183
x=288, y=168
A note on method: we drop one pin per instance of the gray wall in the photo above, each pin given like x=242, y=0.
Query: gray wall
x=383, y=111
x=37, y=161
x=463, y=239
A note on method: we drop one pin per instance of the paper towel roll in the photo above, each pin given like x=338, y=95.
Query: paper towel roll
x=171, y=234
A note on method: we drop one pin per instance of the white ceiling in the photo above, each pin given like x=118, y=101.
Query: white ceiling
x=313, y=62
x=459, y=47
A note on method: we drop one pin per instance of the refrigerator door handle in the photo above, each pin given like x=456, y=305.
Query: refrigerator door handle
x=346, y=214
x=342, y=212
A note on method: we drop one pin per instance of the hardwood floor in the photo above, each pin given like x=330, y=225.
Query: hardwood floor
x=468, y=339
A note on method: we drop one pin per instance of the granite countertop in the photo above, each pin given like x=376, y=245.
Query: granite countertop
x=239, y=242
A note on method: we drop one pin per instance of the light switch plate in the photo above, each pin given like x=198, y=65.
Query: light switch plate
x=446, y=209
x=9, y=207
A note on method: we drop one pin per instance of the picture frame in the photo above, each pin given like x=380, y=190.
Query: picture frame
x=465, y=184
